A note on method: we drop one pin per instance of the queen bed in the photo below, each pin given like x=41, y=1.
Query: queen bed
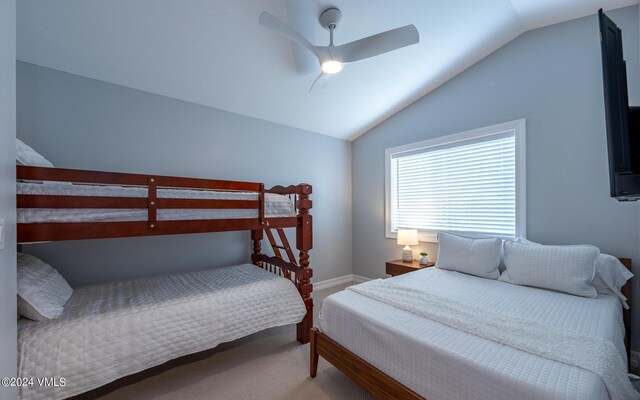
x=440, y=334
x=440, y=362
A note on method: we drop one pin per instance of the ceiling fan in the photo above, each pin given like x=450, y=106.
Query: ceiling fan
x=332, y=58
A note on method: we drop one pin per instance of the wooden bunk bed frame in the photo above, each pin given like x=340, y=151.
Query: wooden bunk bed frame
x=299, y=272
x=383, y=386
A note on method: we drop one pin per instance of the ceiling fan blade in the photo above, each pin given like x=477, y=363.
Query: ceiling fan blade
x=375, y=45
x=321, y=81
x=269, y=21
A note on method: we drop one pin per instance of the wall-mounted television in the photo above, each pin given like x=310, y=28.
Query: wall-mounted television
x=622, y=121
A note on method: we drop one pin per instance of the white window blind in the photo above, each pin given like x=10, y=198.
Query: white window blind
x=465, y=186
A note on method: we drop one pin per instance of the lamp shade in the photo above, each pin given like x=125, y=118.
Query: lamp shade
x=407, y=237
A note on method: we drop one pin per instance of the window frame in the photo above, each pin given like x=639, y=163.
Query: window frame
x=519, y=128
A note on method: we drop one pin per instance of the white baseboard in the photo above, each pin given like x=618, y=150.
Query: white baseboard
x=341, y=280
x=359, y=278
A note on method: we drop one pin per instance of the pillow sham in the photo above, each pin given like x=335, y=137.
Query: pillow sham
x=42, y=291
x=610, y=277
x=567, y=269
x=25, y=155
x=479, y=257
x=519, y=239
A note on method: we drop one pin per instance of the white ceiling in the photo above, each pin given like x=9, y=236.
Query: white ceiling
x=214, y=53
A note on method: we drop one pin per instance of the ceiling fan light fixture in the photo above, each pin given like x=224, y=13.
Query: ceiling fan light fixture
x=367, y=47
x=331, y=67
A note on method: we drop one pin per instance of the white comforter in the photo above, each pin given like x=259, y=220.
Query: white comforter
x=443, y=363
x=112, y=330
x=590, y=353
x=275, y=205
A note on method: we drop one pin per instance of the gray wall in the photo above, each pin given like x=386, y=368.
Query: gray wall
x=552, y=77
x=8, y=193
x=82, y=123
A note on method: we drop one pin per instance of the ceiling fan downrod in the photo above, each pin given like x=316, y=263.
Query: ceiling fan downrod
x=329, y=20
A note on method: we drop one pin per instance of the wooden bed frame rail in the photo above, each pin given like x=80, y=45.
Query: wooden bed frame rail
x=379, y=383
x=39, y=232
x=298, y=271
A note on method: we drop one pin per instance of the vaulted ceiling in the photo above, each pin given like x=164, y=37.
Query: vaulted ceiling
x=214, y=53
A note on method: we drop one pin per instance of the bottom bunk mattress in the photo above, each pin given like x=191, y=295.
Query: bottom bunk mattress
x=111, y=330
x=442, y=363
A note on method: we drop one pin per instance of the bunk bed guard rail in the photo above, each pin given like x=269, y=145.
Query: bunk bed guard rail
x=37, y=232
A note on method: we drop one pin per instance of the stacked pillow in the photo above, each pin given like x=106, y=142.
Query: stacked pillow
x=579, y=270
x=42, y=291
x=567, y=269
x=609, y=273
x=479, y=257
x=610, y=277
x=25, y=155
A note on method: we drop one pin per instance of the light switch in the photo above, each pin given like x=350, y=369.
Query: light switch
x=1, y=233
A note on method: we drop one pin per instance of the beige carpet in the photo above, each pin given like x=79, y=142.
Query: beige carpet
x=267, y=365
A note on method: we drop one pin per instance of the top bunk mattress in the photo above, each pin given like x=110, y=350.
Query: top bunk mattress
x=440, y=362
x=115, y=329
x=276, y=205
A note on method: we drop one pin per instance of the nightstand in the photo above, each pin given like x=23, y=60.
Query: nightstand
x=399, y=267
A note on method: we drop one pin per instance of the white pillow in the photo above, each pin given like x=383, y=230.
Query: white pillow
x=567, y=269
x=42, y=291
x=610, y=277
x=25, y=155
x=519, y=239
x=479, y=257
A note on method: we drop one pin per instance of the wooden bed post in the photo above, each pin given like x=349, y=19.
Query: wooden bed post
x=304, y=243
x=256, y=236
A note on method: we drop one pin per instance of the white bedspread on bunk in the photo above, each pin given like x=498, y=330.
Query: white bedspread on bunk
x=275, y=205
x=442, y=363
x=111, y=330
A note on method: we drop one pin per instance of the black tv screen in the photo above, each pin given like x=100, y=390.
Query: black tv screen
x=621, y=120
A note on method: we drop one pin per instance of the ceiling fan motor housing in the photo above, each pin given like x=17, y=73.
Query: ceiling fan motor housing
x=329, y=17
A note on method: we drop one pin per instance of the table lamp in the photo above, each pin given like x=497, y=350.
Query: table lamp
x=407, y=238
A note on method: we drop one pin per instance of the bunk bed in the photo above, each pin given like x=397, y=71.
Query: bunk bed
x=55, y=204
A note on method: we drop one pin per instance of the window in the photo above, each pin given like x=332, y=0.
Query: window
x=470, y=183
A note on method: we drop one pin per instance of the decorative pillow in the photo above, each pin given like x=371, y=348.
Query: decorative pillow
x=567, y=269
x=25, y=155
x=479, y=257
x=610, y=277
x=42, y=291
x=519, y=239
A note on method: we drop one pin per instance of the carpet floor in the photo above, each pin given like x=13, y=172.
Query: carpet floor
x=267, y=365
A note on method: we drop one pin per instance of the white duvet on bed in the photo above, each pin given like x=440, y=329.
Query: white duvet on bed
x=275, y=205
x=440, y=362
x=112, y=330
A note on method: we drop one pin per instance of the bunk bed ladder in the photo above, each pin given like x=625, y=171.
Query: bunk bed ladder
x=283, y=246
x=298, y=271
